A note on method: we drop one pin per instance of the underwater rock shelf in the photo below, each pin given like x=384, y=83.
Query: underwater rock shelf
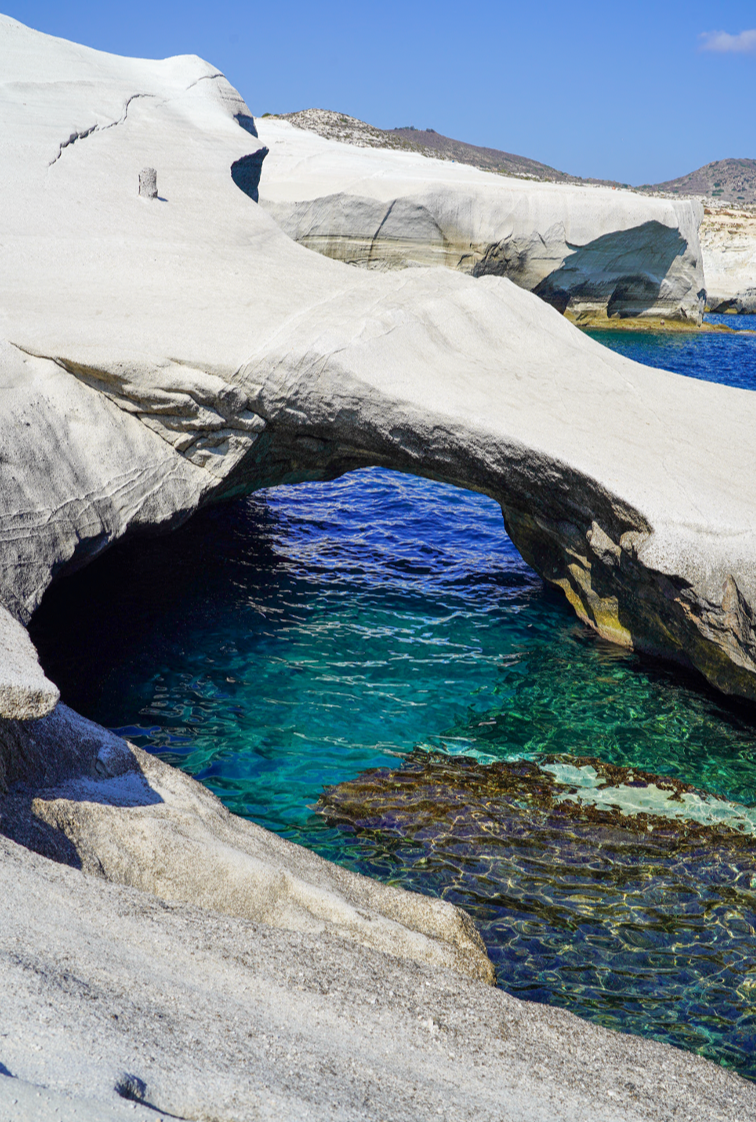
x=623, y=895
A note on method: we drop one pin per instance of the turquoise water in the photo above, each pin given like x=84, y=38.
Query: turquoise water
x=290, y=641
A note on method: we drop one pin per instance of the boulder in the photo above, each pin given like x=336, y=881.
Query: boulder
x=595, y=251
x=25, y=692
x=82, y=796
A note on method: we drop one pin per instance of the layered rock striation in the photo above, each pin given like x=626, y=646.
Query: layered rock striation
x=599, y=252
x=728, y=245
x=166, y=353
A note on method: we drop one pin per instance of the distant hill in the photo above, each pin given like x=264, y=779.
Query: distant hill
x=490, y=159
x=340, y=126
x=730, y=181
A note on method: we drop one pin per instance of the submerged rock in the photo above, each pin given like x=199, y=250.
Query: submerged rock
x=477, y=802
x=626, y=896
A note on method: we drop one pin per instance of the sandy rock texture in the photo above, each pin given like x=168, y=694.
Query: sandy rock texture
x=728, y=244
x=82, y=796
x=597, y=251
x=210, y=1016
x=25, y=692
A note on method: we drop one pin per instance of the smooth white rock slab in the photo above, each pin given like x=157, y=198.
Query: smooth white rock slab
x=223, y=1018
x=229, y=357
x=593, y=249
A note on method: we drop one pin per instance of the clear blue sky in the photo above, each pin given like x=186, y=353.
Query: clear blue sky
x=621, y=91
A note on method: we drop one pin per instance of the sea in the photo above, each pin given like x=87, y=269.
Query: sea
x=312, y=647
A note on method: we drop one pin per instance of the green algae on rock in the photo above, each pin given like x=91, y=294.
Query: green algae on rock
x=459, y=792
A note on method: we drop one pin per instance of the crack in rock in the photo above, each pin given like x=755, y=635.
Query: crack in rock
x=83, y=134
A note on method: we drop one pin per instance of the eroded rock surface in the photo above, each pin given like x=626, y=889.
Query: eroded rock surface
x=595, y=251
x=80, y=795
x=728, y=244
x=219, y=356
x=220, y=1017
x=25, y=692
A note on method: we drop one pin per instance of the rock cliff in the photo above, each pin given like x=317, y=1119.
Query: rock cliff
x=597, y=251
x=728, y=244
x=162, y=353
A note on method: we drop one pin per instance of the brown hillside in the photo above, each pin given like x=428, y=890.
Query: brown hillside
x=732, y=181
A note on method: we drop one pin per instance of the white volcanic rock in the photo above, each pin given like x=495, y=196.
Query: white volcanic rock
x=83, y=796
x=25, y=692
x=186, y=349
x=728, y=244
x=217, y=1017
x=592, y=250
x=163, y=353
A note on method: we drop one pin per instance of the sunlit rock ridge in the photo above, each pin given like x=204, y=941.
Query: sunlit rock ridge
x=597, y=251
x=162, y=353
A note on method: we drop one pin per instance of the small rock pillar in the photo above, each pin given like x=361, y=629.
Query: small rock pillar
x=148, y=183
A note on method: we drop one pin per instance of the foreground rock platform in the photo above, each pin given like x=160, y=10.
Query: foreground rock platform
x=219, y=1017
x=86, y=798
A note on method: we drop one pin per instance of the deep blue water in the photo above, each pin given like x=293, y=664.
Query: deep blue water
x=729, y=358
x=292, y=640
x=734, y=322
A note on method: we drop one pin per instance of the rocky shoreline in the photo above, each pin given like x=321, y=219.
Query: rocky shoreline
x=166, y=352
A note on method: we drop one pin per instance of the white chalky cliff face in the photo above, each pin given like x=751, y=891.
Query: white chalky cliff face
x=728, y=243
x=593, y=250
